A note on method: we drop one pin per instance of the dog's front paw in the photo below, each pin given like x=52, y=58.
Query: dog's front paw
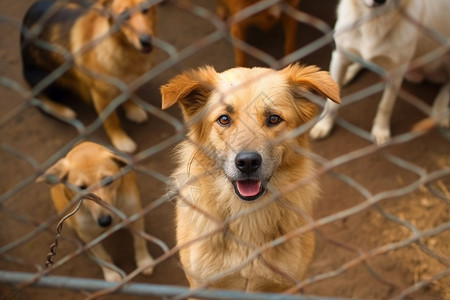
x=442, y=117
x=58, y=110
x=111, y=275
x=67, y=113
x=124, y=143
x=445, y=122
x=147, y=265
x=136, y=114
x=381, y=134
x=322, y=129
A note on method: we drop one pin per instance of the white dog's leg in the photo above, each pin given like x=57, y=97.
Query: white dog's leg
x=440, y=111
x=338, y=67
x=351, y=73
x=323, y=128
x=142, y=256
x=381, y=124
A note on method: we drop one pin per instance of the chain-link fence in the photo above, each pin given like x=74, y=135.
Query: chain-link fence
x=382, y=221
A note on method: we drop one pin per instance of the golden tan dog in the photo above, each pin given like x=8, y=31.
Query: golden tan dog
x=110, y=43
x=264, y=19
x=90, y=165
x=240, y=155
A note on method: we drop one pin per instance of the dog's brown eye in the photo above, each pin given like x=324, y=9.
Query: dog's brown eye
x=224, y=120
x=144, y=10
x=82, y=187
x=274, y=120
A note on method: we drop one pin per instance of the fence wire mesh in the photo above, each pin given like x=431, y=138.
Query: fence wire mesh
x=382, y=223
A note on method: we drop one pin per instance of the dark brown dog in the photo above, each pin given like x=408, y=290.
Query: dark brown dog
x=265, y=20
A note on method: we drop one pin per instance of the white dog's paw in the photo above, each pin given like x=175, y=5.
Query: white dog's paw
x=322, y=129
x=124, y=143
x=147, y=264
x=444, y=122
x=110, y=275
x=381, y=134
x=136, y=114
x=442, y=118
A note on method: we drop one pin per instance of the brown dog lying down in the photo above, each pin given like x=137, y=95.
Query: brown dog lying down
x=233, y=169
x=104, y=55
x=90, y=165
x=264, y=19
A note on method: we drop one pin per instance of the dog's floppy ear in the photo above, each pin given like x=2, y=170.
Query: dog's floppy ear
x=306, y=80
x=60, y=170
x=119, y=160
x=191, y=89
x=105, y=9
x=313, y=80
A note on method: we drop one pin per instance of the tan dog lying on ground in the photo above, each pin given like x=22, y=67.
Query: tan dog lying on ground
x=233, y=171
x=264, y=19
x=110, y=43
x=89, y=165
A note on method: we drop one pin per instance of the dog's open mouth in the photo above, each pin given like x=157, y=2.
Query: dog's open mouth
x=147, y=49
x=249, y=189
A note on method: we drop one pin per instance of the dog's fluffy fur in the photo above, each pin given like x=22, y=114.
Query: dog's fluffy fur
x=391, y=41
x=233, y=170
x=264, y=20
x=90, y=165
x=108, y=40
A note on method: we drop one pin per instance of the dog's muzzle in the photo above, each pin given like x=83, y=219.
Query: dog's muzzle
x=145, y=41
x=249, y=186
x=104, y=220
x=374, y=3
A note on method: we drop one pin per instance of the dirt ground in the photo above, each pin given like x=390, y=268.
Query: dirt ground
x=365, y=255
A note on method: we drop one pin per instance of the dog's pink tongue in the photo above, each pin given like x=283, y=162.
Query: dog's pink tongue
x=249, y=188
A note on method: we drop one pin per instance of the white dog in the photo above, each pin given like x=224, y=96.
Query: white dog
x=393, y=35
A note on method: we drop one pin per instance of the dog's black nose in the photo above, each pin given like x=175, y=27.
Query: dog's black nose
x=248, y=162
x=379, y=2
x=104, y=221
x=146, y=42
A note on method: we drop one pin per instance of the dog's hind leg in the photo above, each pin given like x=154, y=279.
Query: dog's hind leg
x=338, y=68
x=56, y=110
x=440, y=110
